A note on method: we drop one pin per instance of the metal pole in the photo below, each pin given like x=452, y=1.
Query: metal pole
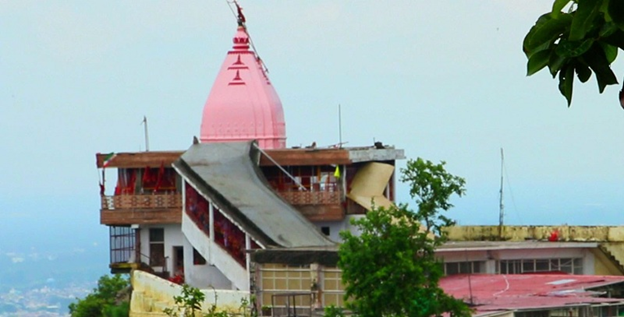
x=301, y=187
x=501, y=214
x=146, y=134
x=339, y=126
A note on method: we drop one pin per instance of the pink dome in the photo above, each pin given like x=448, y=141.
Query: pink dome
x=243, y=105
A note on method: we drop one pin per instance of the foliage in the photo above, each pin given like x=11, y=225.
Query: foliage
x=104, y=300
x=581, y=41
x=431, y=186
x=390, y=269
x=333, y=311
x=189, y=302
x=122, y=310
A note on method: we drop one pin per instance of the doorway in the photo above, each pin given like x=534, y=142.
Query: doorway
x=178, y=260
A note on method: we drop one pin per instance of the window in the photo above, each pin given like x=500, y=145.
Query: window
x=230, y=237
x=198, y=259
x=122, y=242
x=325, y=230
x=157, y=246
x=453, y=268
x=537, y=313
x=566, y=265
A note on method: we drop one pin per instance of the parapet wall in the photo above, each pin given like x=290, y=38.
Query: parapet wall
x=521, y=233
x=151, y=295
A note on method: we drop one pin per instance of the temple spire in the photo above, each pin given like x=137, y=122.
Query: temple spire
x=243, y=104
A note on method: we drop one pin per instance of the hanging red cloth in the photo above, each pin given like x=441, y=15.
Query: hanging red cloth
x=146, y=176
x=161, y=175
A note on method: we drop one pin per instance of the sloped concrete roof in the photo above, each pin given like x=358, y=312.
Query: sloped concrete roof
x=228, y=174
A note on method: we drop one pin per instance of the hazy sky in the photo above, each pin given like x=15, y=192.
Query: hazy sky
x=444, y=80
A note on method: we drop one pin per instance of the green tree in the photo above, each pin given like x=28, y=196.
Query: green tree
x=109, y=299
x=578, y=42
x=390, y=268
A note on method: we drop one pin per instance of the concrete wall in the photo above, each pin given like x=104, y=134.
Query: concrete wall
x=334, y=228
x=152, y=294
x=173, y=237
x=521, y=233
x=607, y=260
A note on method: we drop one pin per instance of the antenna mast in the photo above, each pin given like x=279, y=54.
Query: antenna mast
x=501, y=213
x=144, y=122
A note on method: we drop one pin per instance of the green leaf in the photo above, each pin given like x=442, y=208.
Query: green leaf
x=537, y=61
x=615, y=39
x=545, y=31
x=610, y=51
x=558, y=6
x=566, y=80
x=616, y=12
x=573, y=49
x=607, y=29
x=582, y=72
x=598, y=62
x=556, y=62
x=583, y=19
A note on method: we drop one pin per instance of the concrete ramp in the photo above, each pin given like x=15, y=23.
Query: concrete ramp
x=228, y=174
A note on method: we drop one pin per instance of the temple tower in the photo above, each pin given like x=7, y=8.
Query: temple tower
x=242, y=104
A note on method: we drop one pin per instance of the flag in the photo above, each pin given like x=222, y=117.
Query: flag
x=108, y=158
x=337, y=172
x=161, y=174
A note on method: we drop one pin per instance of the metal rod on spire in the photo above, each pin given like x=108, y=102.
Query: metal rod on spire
x=240, y=16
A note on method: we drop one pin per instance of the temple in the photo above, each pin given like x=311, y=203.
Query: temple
x=192, y=215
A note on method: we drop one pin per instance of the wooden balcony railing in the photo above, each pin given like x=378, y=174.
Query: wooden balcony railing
x=149, y=201
x=311, y=197
x=141, y=209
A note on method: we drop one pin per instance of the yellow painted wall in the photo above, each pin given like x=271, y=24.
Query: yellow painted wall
x=151, y=295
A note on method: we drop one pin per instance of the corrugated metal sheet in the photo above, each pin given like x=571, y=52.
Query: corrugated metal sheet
x=228, y=173
x=490, y=292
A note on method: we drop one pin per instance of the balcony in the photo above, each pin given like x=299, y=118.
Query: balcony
x=141, y=209
x=316, y=205
x=311, y=198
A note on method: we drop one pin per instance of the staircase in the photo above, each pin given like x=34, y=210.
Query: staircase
x=214, y=254
x=615, y=252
